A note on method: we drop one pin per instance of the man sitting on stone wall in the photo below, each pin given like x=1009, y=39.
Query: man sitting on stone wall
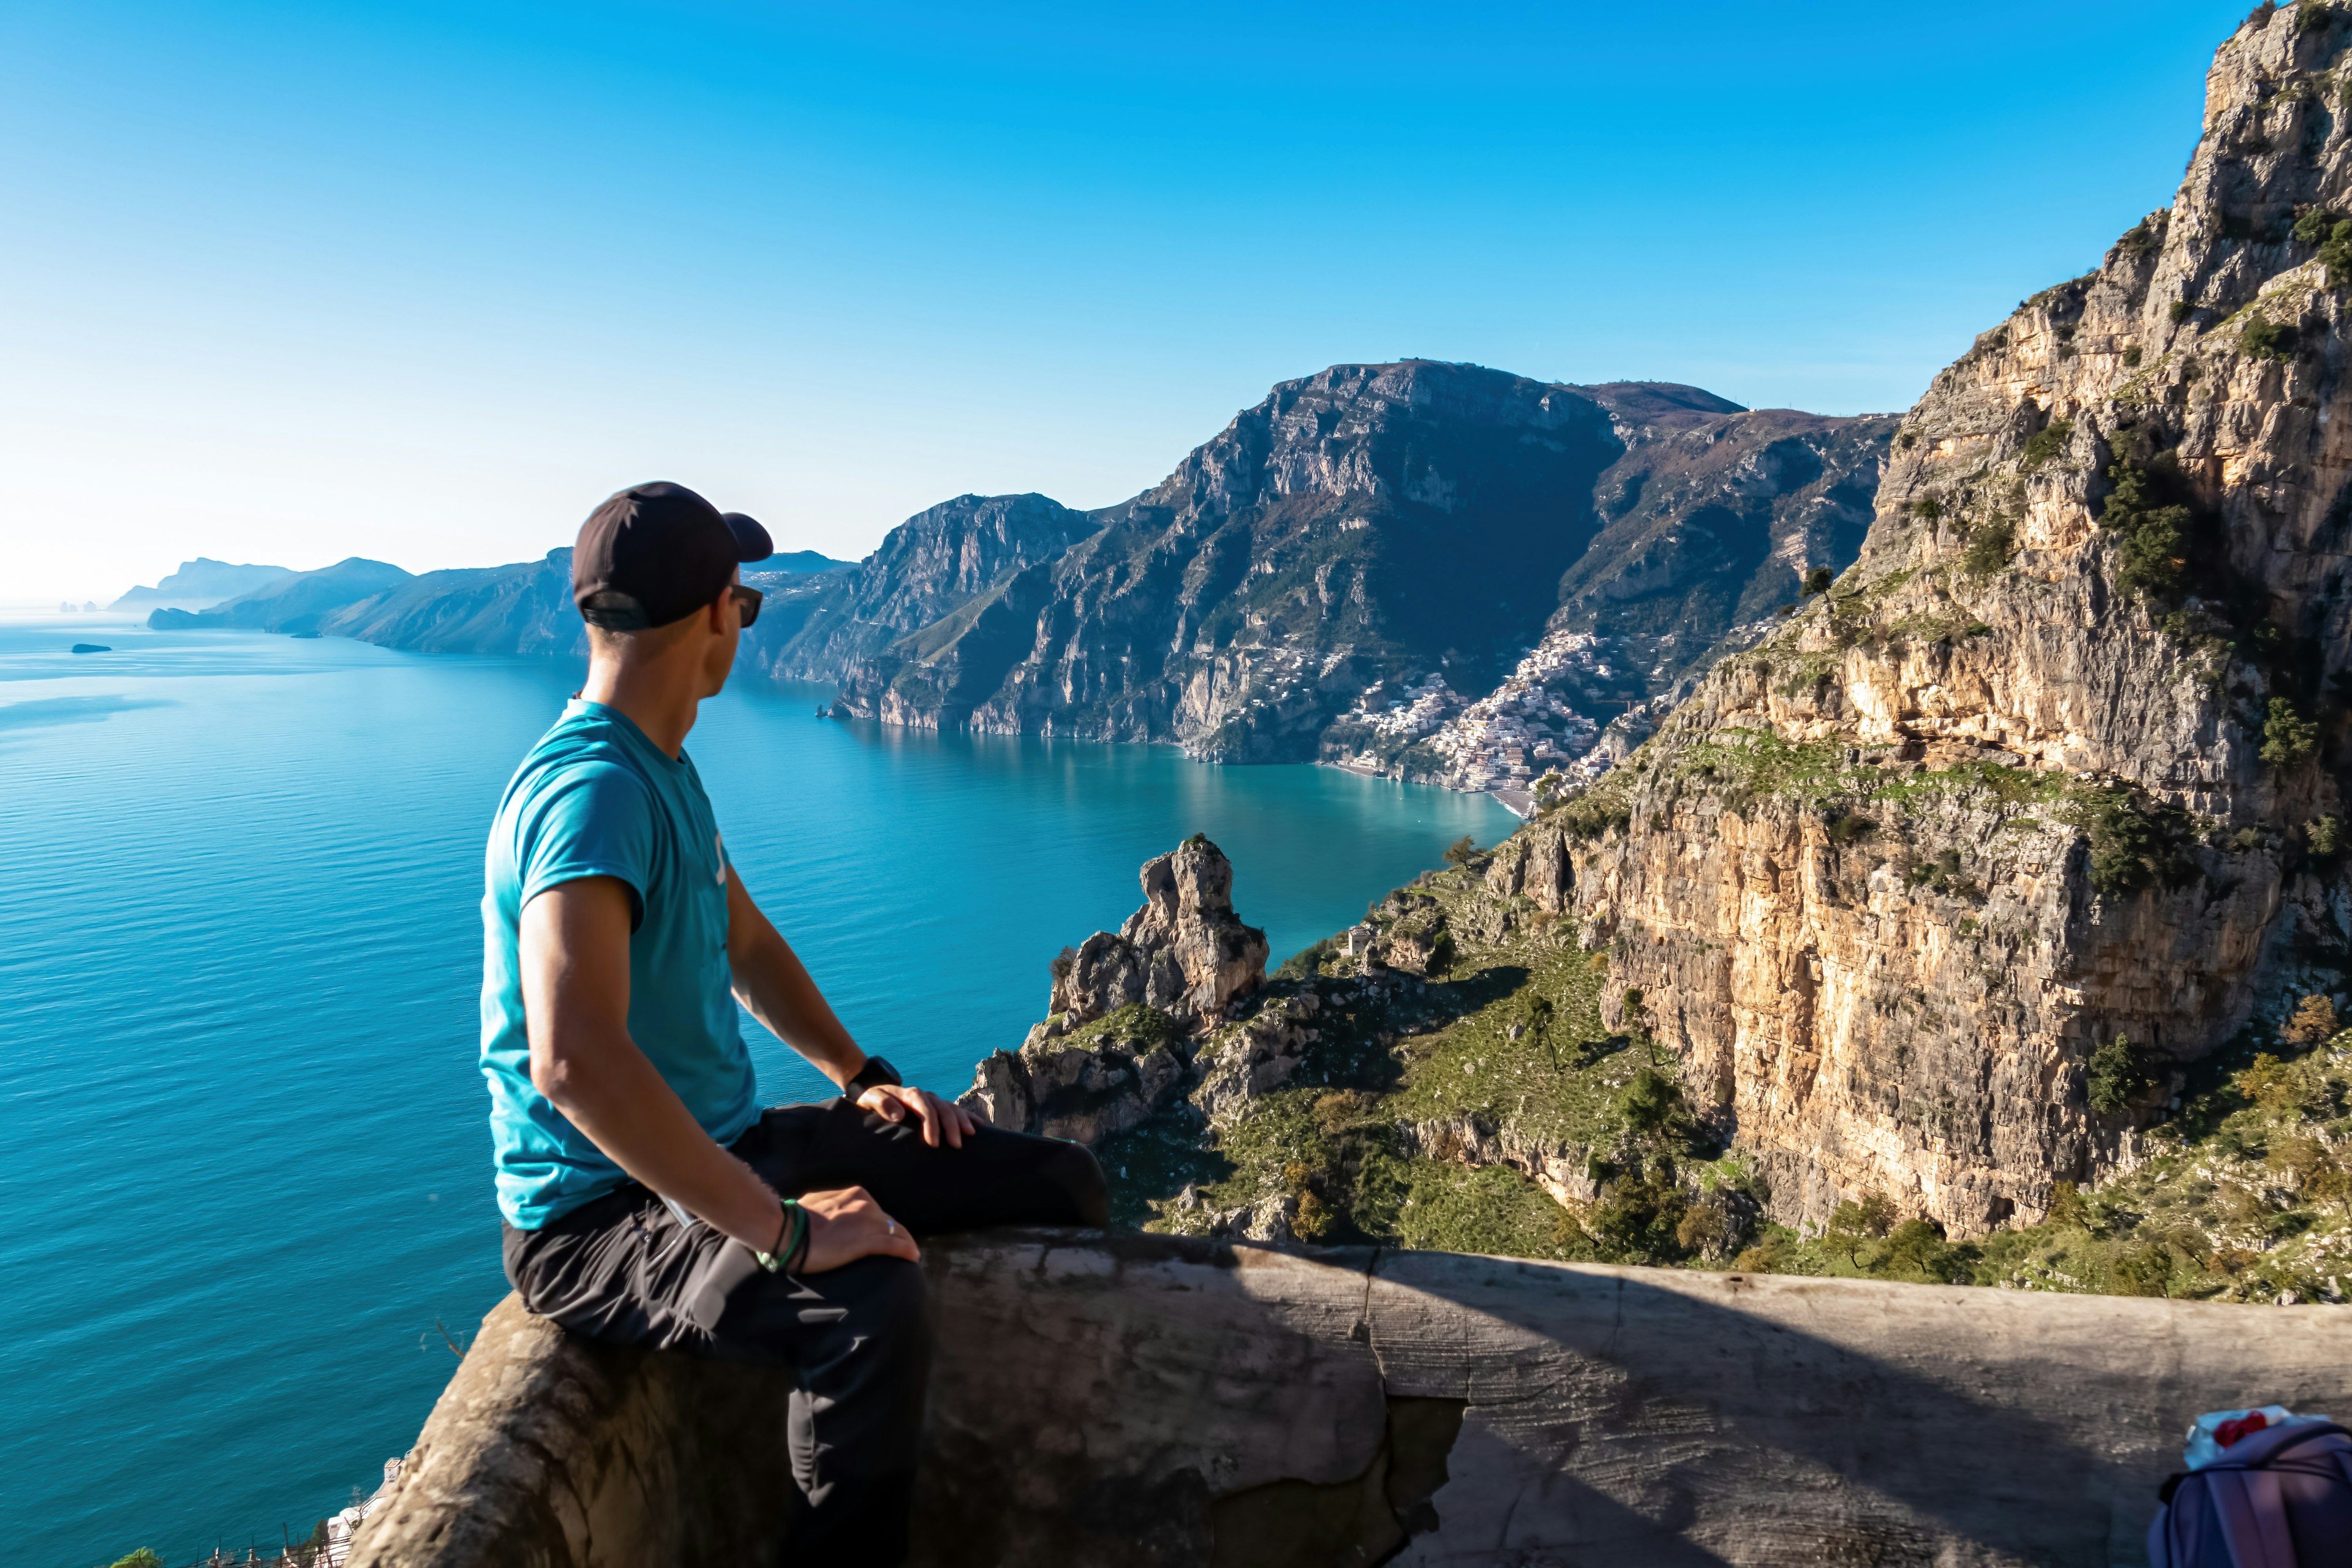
x=648, y=1198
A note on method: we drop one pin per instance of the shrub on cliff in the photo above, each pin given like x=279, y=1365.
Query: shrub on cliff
x=2131, y=847
x=2288, y=738
x=2119, y=1072
x=2265, y=339
x=2313, y=1022
x=2152, y=524
x=2045, y=444
x=1990, y=545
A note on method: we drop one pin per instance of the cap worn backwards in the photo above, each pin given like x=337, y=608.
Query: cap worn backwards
x=655, y=553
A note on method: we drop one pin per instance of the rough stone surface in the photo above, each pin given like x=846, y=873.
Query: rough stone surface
x=1144, y=1017
x=1853, y=878
x=1144, y=1401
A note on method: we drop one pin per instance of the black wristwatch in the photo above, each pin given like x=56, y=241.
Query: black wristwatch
x=873, y=1073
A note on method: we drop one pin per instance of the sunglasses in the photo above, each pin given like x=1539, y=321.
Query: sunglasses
x=750, y=599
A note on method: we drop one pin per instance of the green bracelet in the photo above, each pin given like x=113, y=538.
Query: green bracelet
x=794, y=1224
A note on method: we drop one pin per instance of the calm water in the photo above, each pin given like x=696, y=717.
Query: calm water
x=246, y=1160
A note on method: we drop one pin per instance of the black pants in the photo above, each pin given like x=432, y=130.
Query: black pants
x=857, y=1338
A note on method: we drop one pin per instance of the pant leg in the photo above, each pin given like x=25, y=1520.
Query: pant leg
x=996, y=1178
x=857, y=1339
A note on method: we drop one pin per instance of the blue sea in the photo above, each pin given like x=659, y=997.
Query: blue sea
x=246, y=1171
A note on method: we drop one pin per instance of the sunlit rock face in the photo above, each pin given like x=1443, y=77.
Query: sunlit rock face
x=2056, y=760
x=1162, y=1014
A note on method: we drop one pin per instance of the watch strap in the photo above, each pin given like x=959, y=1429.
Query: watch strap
x=875, y=1071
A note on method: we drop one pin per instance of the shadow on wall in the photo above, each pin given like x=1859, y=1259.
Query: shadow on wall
x=1145, y=1401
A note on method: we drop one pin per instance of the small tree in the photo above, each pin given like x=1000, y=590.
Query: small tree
x=1819, y=579
x=145, y=1557
x=2313, y=1022
x=2120, y=1073
x=1462, y=851
x=2288, y=738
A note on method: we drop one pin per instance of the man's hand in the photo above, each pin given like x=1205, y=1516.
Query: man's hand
x=846, y=1224
x=942, y=1120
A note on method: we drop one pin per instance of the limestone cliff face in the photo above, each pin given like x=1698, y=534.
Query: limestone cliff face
x=955, y=574
x=1364, y=521
x=2054, y=761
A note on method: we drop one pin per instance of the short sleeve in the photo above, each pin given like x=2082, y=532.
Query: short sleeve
x=595, y=820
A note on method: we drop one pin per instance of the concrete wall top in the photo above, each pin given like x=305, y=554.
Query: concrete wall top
x=1146, y=1401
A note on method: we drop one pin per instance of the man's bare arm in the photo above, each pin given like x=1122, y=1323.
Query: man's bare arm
x=772, y=983
x=575, y=993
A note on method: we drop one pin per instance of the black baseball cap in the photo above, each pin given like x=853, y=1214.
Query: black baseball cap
x=655, y=553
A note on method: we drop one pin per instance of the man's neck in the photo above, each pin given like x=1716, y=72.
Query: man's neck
x=660, y=697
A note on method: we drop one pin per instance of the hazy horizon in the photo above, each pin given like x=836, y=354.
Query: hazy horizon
x=295, y=285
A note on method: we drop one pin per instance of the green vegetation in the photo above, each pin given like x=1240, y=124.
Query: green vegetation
x=1462, y=851
x=1423, y=1112
x=2288, y=738
x=1928, y=507
x=2265, y=339
x=1991, y=546
x=1819, y=579
x=2132, y=357
x=2134, y=842
x=2314, y=15
x=2045, y=444
x=2181, y=310
x=2324, y=835
x=2152, y=526
x=2120, y=1073
x=145, y=1557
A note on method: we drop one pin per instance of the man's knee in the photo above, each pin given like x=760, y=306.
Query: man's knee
x=1076, y=1171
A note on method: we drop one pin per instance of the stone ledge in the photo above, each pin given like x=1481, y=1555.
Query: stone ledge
x=1146, y=1401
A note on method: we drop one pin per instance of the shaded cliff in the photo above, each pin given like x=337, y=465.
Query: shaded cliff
x=960, y=576
x=1364, y=532
x=2054, y=768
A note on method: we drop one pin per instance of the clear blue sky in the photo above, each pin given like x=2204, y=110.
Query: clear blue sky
x=424, y=281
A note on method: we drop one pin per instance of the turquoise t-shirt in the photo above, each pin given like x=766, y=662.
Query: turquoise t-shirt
x=596, y=798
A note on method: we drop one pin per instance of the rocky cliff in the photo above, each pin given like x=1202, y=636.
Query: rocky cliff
x=201, y=584
x=1709, y=523
x=1365, y=540
x=300, y=603
x=937, y=605
x=2046, y=786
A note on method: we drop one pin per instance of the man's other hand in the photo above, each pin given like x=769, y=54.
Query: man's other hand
x=942, y=1121
x=847, y=1225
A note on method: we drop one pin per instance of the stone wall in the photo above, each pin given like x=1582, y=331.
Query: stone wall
x=1145, y=1401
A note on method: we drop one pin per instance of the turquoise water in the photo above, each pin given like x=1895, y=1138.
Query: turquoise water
x=246, y=1160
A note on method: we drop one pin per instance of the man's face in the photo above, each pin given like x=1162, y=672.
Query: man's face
x=723, y=624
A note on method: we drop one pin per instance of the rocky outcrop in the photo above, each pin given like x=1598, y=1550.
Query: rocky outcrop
x=1161, y=1012
x=1124, y=1401
x=2052, y=769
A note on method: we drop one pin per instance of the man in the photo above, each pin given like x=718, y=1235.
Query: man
x=646, y=1197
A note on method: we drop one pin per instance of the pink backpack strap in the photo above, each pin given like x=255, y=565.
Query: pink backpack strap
x=2253, y=1517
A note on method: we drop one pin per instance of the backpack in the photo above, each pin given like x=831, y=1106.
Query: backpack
x=2274, y=1499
